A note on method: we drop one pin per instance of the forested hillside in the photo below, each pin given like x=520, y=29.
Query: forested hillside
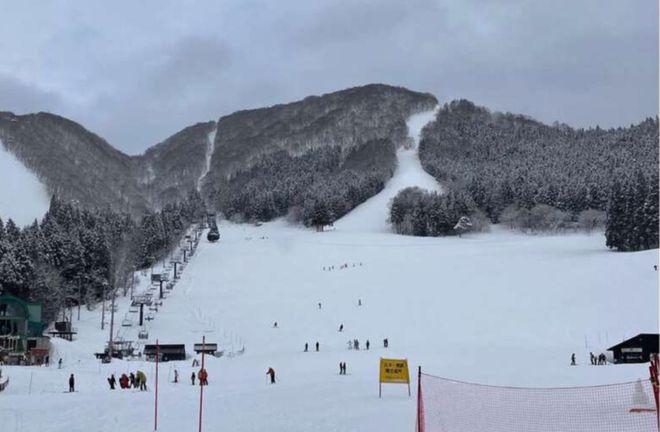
x=514, y=168
x=257, y=163
x=322, y=155
x=170, y=170
x=73, y=162
x=75, y=255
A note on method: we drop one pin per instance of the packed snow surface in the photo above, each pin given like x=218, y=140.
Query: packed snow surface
x=23, y=198
x=498, y=308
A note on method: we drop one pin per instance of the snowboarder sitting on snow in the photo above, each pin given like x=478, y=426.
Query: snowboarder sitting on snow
x=112, y=381
x=271, y=372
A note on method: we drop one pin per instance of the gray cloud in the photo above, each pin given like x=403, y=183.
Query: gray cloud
x=137, y=72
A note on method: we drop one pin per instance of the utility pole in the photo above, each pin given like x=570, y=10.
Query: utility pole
x=79, y=298
x=112, y=323
x=103, y=310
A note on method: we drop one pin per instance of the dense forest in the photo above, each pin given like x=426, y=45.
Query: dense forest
x=75, y=255
x=316, y=188
x=537, y=177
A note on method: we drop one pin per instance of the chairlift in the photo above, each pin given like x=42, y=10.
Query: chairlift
x=143, y=334
x=149, y=317
x=133, y=309
x=127, y=323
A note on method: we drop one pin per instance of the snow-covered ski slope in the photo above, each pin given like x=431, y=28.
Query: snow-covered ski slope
x=210, y=147
x=372, y=214
x=23, y=198
x=496, y=308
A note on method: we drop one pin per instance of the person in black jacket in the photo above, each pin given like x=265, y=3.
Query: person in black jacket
x=72, y=383
x=112, y=381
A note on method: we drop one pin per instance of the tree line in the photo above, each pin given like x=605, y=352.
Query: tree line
x=315, y=188
x=74, y=255
x=533, y=176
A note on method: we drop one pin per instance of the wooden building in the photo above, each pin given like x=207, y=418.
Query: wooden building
x=637, y=349
x=21, y=331
x=165, y=352
x=207, y=348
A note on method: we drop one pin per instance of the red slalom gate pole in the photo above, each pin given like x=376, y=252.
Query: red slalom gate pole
x=201, y=387
x=156, y=390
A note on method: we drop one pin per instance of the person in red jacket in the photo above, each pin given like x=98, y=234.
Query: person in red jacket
x=271, y=372
x=203, y=377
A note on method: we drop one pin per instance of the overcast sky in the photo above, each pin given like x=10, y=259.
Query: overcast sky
x=136, y=72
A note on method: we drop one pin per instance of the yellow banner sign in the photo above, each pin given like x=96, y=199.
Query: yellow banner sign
x=394, y=371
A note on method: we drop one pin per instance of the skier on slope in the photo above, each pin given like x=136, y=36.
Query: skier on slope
x=192, y=378
x=112, y=381
x=72, y=384
x=306, y=347
x=317, y=345
x=341, y=327
x=573, y=359
x=271, y=372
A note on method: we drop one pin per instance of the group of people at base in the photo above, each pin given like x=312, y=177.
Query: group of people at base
x=600, y=359
x=137, y=380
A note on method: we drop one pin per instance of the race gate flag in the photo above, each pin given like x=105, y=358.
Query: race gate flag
x=393, y=371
